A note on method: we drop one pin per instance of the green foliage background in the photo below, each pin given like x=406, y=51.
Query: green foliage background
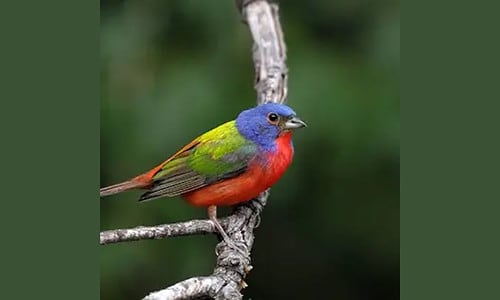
x=171, y=70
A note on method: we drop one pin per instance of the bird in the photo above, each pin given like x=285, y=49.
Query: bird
x=230, y=164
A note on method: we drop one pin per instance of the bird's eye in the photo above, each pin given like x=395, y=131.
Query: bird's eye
x=273, y=118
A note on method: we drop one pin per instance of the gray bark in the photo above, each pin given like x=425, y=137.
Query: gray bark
x=269, y=50
x=157, y=232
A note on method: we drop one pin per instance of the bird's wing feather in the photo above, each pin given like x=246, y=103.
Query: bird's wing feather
x=214, y=156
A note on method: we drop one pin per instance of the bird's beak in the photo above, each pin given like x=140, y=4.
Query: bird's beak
x=294, y=123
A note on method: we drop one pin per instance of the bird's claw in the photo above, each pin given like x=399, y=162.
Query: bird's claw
x=232, y=245
x=257, y=221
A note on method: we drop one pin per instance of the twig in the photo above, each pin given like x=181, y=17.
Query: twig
x=157, y=232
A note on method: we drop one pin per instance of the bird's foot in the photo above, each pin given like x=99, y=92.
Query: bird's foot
x=212, y=214
x=240, y=249
x=230, y=243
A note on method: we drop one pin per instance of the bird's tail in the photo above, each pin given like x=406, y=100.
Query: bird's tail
x=122, y=186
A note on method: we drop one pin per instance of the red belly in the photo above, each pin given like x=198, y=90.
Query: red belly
x=230, y=191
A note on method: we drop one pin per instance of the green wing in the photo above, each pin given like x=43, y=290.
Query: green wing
x=216, y=155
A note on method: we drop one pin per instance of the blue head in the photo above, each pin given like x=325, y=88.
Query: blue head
x=264, y=123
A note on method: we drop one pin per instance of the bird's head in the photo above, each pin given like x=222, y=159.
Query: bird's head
x=264, y=123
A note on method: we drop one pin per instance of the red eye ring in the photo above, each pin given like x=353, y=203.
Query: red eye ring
x=273, y=118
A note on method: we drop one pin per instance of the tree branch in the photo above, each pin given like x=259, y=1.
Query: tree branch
x=232, y=266
x=269, y=50
x=157, y=232
x=196, y=287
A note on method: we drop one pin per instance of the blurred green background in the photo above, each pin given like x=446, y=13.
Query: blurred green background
x=172, y=69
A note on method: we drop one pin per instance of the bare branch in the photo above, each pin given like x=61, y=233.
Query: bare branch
x=157, y=232
x=269, y=51
x=196, y=287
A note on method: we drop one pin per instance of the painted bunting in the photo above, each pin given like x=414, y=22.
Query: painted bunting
x=229, y=164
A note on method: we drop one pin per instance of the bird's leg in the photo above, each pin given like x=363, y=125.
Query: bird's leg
x=212, y=215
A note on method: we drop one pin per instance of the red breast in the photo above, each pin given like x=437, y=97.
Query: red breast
x=250, y=184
